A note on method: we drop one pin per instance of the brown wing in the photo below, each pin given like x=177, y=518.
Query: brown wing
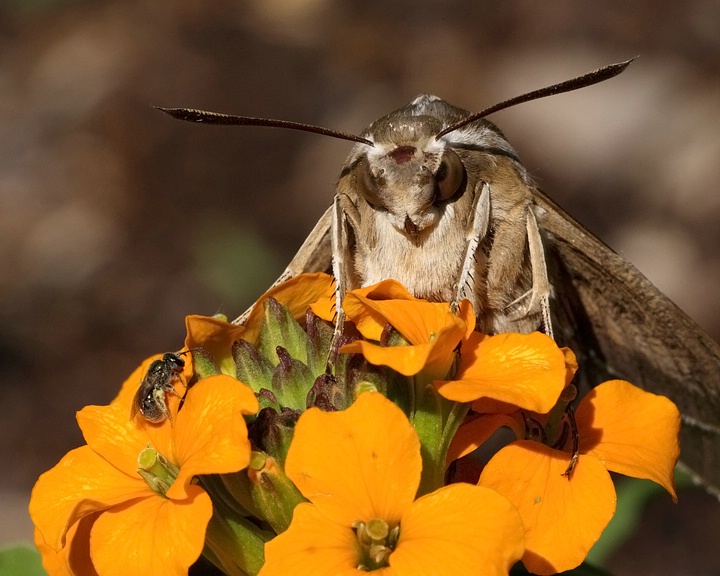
x=315, y=255
x=624, y=326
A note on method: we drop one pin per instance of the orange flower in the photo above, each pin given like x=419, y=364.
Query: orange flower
x=96, y=510
x=621, y=429
x=431, y=329
x=523, y=370
x=360, y=470
x=216, y=335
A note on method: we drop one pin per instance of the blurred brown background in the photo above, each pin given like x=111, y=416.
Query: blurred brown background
x=116, y=222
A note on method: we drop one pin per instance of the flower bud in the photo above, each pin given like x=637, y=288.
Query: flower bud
x=252, y=368
x=279, y=328
x=273, y=492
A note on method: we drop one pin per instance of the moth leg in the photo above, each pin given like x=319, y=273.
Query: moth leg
x=477, y=232
x=340, y=266
x=538, y=296
x=540, y=292
x=509, y=274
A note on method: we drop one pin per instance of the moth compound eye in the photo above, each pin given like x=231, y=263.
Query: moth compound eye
x=367, y=183
x=449, y=176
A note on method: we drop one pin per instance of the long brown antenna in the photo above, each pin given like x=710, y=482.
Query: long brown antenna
x=599, y=75
x=201, y=116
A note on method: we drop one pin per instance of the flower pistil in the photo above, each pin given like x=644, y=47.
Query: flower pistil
x=156, y=470
x=377, y=540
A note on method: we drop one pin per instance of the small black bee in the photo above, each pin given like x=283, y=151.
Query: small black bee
x=150, y=398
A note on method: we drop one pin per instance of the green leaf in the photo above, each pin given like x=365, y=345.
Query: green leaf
x=20, y=560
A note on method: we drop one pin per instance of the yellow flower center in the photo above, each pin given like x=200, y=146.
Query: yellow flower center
x=377, y=541
x=156, y=470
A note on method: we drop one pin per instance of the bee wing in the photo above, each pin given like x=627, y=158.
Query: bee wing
x=138, y=398
x=623, y=326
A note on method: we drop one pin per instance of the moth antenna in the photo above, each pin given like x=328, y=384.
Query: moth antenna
x=204, y=117
x=588, y=79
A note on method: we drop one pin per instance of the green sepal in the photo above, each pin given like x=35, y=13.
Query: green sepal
x=203, y=364
x=233, y=543
x=251, y=368
x=233, y=490
x=273, y=492
x=291, y=380
x=320, y=334
x=272, y=431
x=279, y=328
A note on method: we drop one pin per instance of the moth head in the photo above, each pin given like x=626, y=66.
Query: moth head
x=407, y=173
x=402, y=164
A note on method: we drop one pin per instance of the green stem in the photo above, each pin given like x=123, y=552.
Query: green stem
x=456, y=416
x=554, y=418
x=435, y=420
x=233, y=543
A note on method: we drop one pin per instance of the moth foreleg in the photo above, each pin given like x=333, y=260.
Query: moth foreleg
x=540, y=291
x=466, y=286
x=509, y=276
x=339, y=263
x=535, y=301
x=344, y=215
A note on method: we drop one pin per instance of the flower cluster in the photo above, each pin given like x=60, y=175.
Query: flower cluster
x=287, y=447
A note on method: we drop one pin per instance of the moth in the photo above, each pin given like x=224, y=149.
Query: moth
x=149, y=400
x=437, y=198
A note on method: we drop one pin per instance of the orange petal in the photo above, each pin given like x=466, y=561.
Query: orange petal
x=358, y=464
x=407, y=360
x=296, y=294
x=210, y=435
x=151, y=536
x=312, y=546
x=110, y=432
x=215, y=336
x=475, y=431
x=432, y=330
x=369, y=320
x=571, y=365
x=467, y=315
x=81, y=483
x=386, y=290
x=527, y=370
x=419, y=322
x=459, y=529
x=631, y=431
x=563, y=517
x=74, y=558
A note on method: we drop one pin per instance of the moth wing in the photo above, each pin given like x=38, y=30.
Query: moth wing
x=623, y=326
x=315, y=255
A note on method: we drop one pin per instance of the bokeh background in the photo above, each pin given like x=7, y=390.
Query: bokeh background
x=116, y=221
